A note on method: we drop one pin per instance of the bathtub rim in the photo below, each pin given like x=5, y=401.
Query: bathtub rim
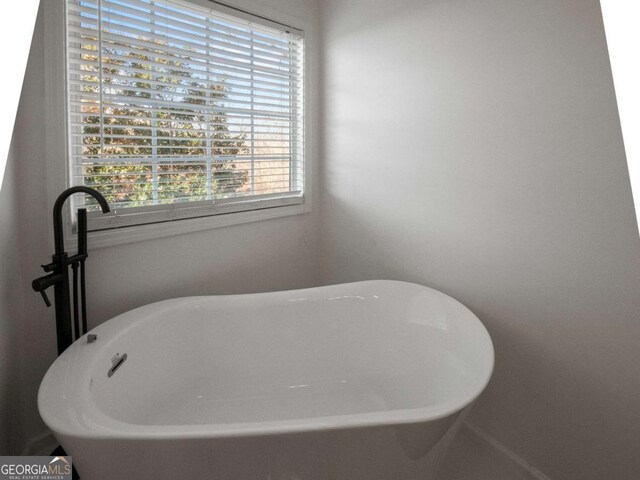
x=88, y=421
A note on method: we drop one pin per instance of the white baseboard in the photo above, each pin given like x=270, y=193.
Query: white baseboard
x=41, y=445
x=508, y=455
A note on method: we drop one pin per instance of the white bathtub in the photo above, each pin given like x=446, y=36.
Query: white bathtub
x=364, y=380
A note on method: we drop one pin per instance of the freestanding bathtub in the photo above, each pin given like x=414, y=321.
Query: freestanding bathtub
x=364, y=380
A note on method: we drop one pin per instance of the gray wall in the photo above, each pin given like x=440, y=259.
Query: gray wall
x=475, y=147
x=266, y=255
x=10, y=305
x=26, y=333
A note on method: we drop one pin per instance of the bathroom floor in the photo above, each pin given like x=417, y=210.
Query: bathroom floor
x=473, y=459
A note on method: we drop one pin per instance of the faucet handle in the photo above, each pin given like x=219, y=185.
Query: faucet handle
x=49, y=267
x=45, y=298
x=42, y=283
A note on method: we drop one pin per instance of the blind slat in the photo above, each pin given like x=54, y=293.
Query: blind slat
x=221, y=96
x=235, y=86
x=151, y=105
x=233, y=128
x=83, y=78
x=180, y=102
x=198, y=72
x=90, y=67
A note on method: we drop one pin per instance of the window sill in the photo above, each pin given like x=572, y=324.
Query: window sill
x=122, y=236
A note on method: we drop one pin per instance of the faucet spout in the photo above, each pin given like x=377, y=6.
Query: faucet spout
x=57, y=212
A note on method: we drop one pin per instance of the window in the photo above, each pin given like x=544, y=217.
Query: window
x=180, y=109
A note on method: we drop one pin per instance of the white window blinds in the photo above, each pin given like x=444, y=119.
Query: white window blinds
x=179, y=109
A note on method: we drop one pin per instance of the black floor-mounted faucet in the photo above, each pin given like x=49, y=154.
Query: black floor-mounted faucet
x=59, y=276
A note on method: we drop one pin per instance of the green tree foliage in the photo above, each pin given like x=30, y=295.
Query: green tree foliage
x=166, y=152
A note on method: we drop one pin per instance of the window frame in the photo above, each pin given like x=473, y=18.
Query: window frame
x=172, y=221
